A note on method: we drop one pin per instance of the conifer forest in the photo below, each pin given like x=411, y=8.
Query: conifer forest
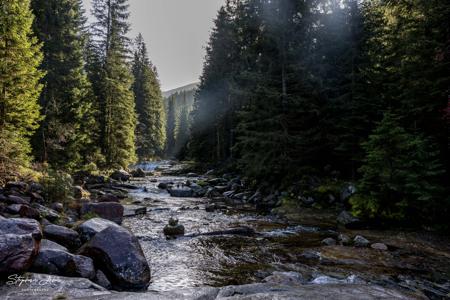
x=311, y=159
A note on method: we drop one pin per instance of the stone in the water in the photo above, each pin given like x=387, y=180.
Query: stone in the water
x=118, y=254
x=285, y=278
x=107, y=210
x=139, y=173
x=379, y=246
x=163, y=185
x=134, y=210
x=108, y=198
x=19, y=244
x=173, y=228
x=93, y=226
x=360, y=241
x=120, y=175
x=62, y=235
x=181, y=192
x=329, y=242
x=344, y=239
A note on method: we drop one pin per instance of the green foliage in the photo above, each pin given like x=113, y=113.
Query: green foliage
x=65, y=138
x=20, y=57
x=108, y=54
x=150, y=131
x=399, y=176
x=58, y=186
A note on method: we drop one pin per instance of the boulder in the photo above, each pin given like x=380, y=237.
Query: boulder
x=360, y=241
x=181, y=192
x=118, y=254
x=379, y=246
x=348, y=220
x=344, y=239
x=163, y=185
x=347, y=191
x=120, y=175
x=93, y=226
x=107, y=210
x=53, y=259
x=13, y=208
x=12, y=199
x=28, y=212
x=108, y=198
x=285, y=278
x=19, y=244
x=47, y=244
x=58, y=206
x=139, y=173
x=16, y=185
x=329, y=242
x=46, y=212
x=62, y=235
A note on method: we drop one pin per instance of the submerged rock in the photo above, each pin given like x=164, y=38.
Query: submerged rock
x=118, y=254
x=181, y=192
x=379, y=246
x=360, y=241
x=329, y=242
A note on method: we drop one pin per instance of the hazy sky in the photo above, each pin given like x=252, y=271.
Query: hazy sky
x=176, y=33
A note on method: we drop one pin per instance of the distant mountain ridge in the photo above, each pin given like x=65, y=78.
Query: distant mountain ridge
x=188, y=87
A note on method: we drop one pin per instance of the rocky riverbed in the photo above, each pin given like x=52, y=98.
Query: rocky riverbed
x=228, y=250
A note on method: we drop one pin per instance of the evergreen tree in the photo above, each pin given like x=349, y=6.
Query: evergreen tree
x=182, y=129
x=399, y=176
x=170, y=128
x=150, y=134
x=114, y=90
x=20, y=57
x=66, y=135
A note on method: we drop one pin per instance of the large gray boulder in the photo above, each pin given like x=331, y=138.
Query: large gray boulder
x=107, y=210
x=62, y=235
x=19, y=244
x=54, y=259
x=181, y=192
x=118, y=254
x=93, y=226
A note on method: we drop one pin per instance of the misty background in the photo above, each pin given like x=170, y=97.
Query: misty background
x=176, y=33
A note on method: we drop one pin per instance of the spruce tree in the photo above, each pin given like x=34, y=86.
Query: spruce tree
x=20, y=57
x=114, y=90
x=65, y=138
x=170, y=127
x=399, y=176
x=182, y=128
x=150, y=133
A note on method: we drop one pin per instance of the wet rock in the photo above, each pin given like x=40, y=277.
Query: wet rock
x=28, y=212
x=348, y=220
x=54, y=260
x=134, y=210
x=163, y=185
x=118, y=254
x=13, y=208
x=120, y=175
x=360, y=241
x=93, y=226
x=310, y=255
x=192, y=175
x=329, y=242
x=173, y=228
x=102, y=280
x=285, y=278
x=138, y=173
x=243, y=231
x=107, y=210
x=344, y=239
x=62, y=235
x=79, y=192
x=46, y=212
x=108, y=198
x=181, y=192
x=379, y=246
x=19, y=244
x=45, y=287
x=153, y=180
x=347, y=191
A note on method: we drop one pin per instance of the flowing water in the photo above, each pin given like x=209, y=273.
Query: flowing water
x=411, y=263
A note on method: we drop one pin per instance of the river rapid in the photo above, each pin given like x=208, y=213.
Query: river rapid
x=414, y=262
